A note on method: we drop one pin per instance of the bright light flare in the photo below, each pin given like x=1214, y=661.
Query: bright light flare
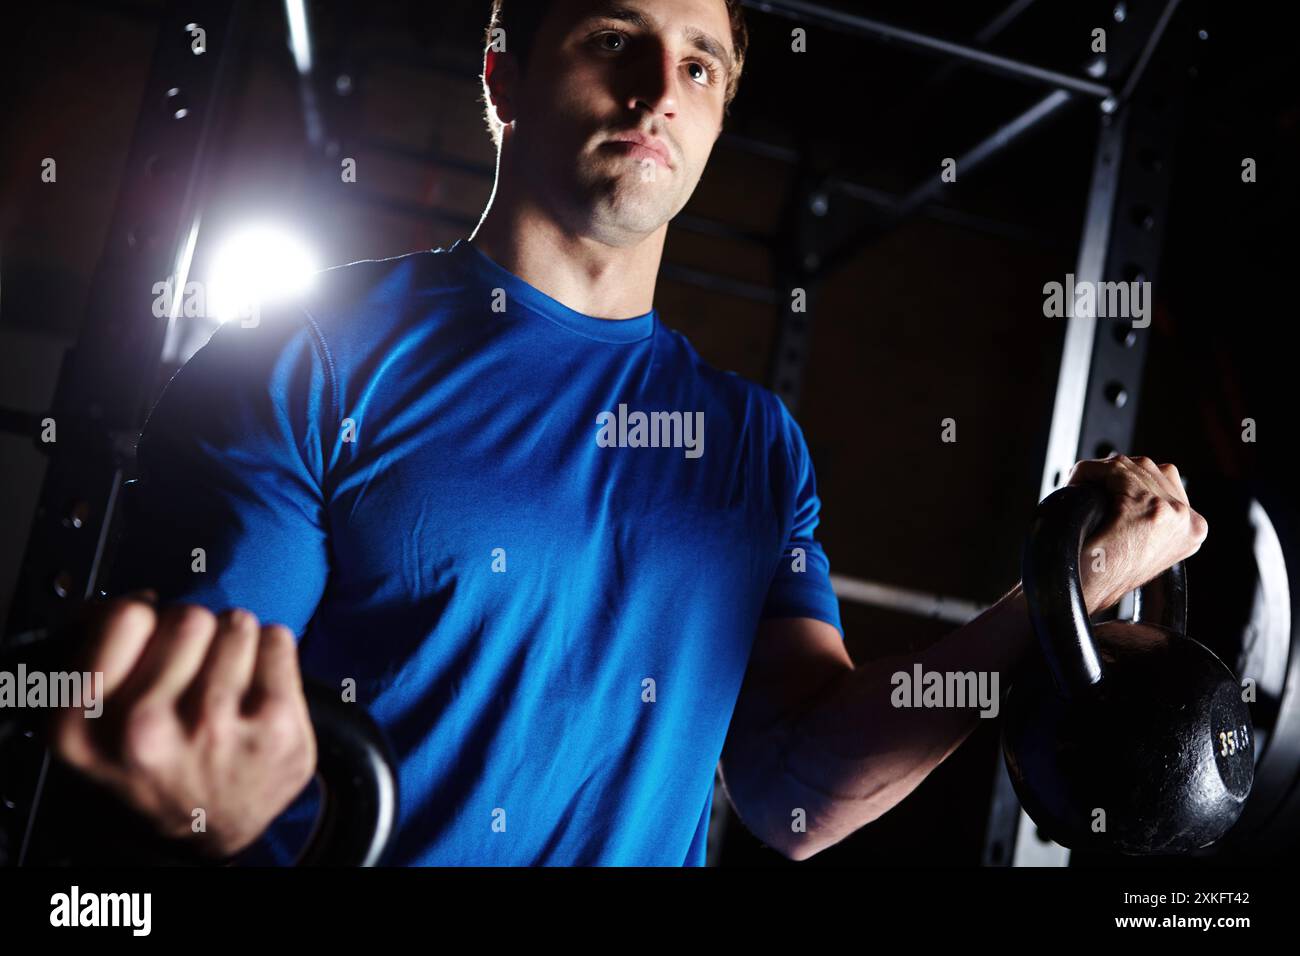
x=257, y=266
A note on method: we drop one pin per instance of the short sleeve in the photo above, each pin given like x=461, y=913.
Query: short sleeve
x=228, y=508
x=801, y=586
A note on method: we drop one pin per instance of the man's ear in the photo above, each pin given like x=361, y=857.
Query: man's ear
x=501, y=76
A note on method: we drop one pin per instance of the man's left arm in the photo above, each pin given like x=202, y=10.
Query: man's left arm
x=816, y=750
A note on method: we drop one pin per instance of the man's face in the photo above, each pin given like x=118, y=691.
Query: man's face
x=601, y=71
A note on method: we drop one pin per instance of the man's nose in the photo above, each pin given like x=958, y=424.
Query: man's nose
x=654, y=82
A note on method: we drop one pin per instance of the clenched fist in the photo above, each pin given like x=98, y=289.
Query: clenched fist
x=1152, y=526
x=199, y=712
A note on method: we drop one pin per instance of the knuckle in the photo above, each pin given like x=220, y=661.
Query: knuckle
x=241, y=620
x=124, y=614
x=278, y=636
x=195, y=619
x=1081, y=470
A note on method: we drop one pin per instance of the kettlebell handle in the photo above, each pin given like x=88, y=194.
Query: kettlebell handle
x=1054, y=591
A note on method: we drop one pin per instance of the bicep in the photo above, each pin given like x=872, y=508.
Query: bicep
x=228, y=511
x=793, y=663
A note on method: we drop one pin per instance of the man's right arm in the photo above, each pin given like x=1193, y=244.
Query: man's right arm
x=203, y=708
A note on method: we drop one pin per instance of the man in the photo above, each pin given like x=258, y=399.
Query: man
x=567, y=565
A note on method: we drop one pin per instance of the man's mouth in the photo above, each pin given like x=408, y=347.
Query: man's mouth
x=641, y=146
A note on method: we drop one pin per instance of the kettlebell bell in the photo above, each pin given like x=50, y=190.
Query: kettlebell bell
x=1126, y=736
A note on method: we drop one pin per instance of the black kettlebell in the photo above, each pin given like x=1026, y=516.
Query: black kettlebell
x=1125, y=736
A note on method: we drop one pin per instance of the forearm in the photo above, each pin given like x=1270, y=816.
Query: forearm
x=853, y=754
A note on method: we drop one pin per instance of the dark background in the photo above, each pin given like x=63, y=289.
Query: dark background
x=940, y=317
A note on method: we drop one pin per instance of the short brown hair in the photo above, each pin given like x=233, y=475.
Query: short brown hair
x=521, y=19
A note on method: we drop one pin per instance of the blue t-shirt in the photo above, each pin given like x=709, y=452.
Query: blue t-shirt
x=539, y=542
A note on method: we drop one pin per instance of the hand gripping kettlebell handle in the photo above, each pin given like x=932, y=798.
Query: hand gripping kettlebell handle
x=1054, y=590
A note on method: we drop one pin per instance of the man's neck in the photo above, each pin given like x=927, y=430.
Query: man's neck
x=588, y=276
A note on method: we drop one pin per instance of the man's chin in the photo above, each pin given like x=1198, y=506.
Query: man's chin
x=629, y=190
x=627, y=223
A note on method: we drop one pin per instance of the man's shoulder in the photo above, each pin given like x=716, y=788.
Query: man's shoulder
x=725, y=385
x=350, y=311
x=349, y=314
x=349, y=295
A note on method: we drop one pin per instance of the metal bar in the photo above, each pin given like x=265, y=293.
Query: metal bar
x=794, y=253
x=1080, y=330
x=891, y=202
x=106, y=382
x=919, y=603
x=985, y=35
x=1101, y=364
x=951, y=215
x=803, y=11
x=1063, y=448
x=994, y=28
x=971, y=160
x=989, y=147
x=1138, y=70
x=300, y=43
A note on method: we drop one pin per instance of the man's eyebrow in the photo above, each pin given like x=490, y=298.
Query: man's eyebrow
x=707, y=44
x=704, y=42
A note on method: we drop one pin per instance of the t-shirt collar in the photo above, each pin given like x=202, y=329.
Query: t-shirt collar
x=517, y=290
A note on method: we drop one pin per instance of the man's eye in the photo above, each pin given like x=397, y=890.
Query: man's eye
x=707, y=75
x=603, y=38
